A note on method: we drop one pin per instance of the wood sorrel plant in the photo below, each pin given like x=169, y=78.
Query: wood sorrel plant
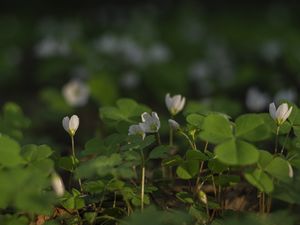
x=219, y=164
x=71, y=125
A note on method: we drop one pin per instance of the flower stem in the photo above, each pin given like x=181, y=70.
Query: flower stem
x=200, y=170
x=73, y=146
x=171, y=137
x=158, y=138
x=74, y=156
x=142, y=180
x=284, y=143
x=189, y=140
x=276, y=140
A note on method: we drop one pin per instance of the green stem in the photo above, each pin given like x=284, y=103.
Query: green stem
x=263, y=202
x=200, y=170
x=276, y=140
x=73, y=146
x=74, y=157
x=269, y=204
x=115, y=199
x=158, y=138
x=171, y=137
x=198, y=178
x=214, y=185
x=189, y=140
x=284, y=143
x=142, y=180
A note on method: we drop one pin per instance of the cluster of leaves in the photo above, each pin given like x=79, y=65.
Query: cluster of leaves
x=185, y=183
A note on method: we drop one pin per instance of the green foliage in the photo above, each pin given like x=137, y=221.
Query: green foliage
x=105, y=184
x=13, y=121
x=196, y=120
x=251, y=127
x=216, y=129
x=261, y=180
x=126, y=110
x=10, y=152
x=73, y=200
x=103, y=166
x=153, y=216
x=236, y=152
x=103, y=89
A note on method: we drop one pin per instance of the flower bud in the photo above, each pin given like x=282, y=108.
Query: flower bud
x=71, y=125
x=174, y=125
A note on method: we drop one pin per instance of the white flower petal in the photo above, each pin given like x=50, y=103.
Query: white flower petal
x=287, y=114
x=57, y=185
x=136, y=129
x=74, y=123
x=65, y=123
x=182, y=103
x=175, y=104
x=168, y=101
x=272, y=110
x=145, y=116
x=281, y=111
x=151, y=123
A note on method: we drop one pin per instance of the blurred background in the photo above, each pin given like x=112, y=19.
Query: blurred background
x=61, y=58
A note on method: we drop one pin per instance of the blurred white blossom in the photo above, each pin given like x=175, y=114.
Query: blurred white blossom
x=76, y=93
x=132, y=51
x=199, y=70
x=125, y=48
x=286, y=94
x=130, y=80
x=158, y=53
x=108, y=44
x=271, y=50
x=291, y=171
x=174, y=104
x=136, y=129
x=256, y=100
x=200, y=73
x=57, y=185
x=51, y=46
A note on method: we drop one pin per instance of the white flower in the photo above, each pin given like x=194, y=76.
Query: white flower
x=76, y=93
x=57, y=185
x=281, y=113
x=151, y=123
x=174, y=104
x=174, y=125
x=136, y=129
x=71, y=125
